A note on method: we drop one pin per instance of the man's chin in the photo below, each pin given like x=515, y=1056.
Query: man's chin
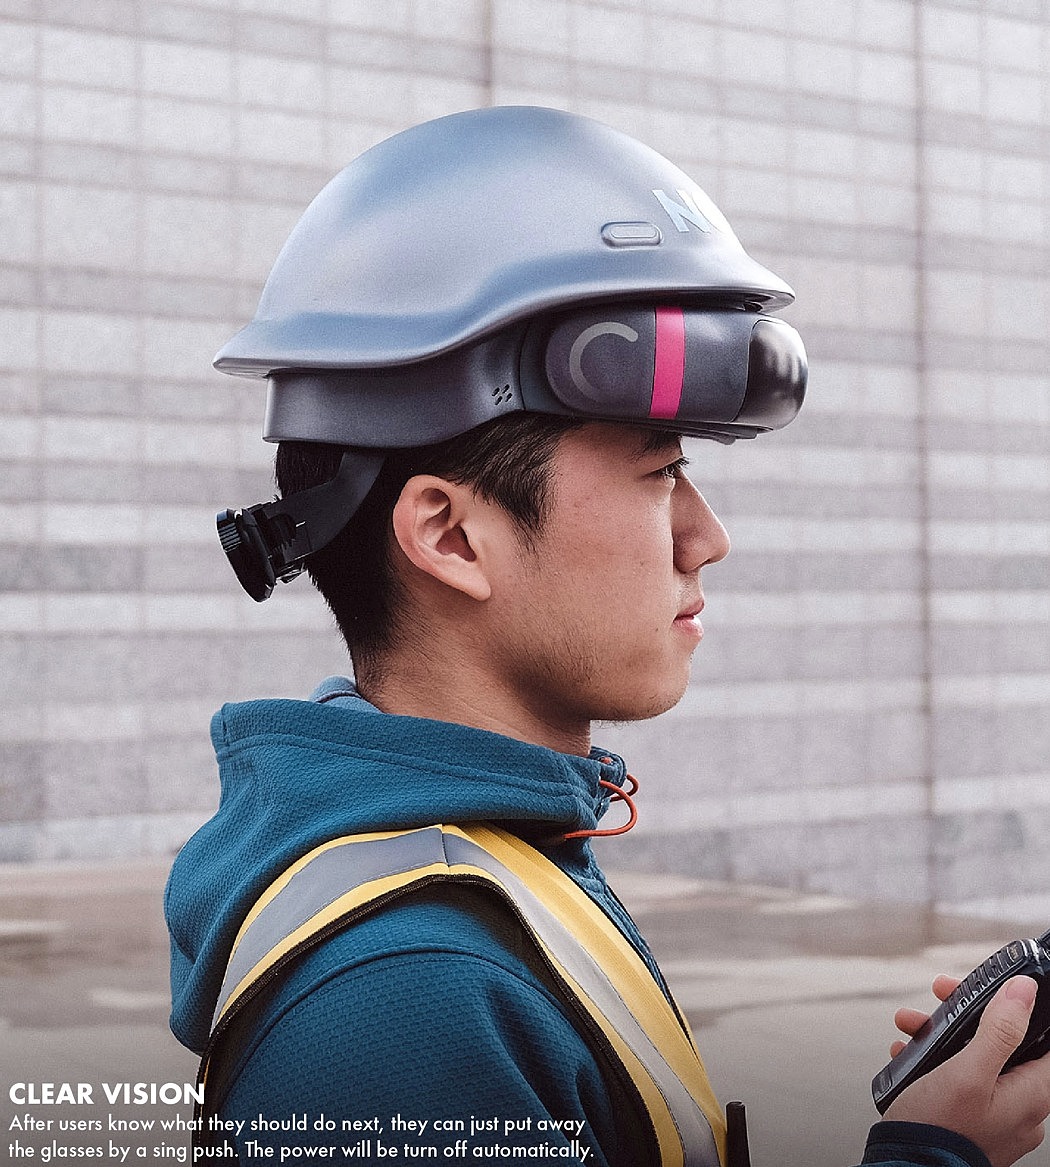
x=644, y=707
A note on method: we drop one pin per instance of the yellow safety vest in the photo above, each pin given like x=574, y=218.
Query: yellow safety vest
x=596, y=966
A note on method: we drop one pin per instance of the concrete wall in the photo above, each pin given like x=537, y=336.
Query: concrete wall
x=870, y=707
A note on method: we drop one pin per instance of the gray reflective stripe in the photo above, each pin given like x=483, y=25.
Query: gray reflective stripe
x=698, y=1142
x=342, y=868
x=322, y=881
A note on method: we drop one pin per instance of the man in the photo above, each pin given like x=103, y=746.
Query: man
x=484, y=342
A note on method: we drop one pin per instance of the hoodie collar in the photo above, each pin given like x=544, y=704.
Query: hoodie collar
x=379, y=771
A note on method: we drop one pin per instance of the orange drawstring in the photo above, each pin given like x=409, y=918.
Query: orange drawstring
x=618, y=795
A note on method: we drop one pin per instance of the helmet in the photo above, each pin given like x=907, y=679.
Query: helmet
x=502, y=259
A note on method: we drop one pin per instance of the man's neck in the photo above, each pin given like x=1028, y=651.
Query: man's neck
x=457, y=696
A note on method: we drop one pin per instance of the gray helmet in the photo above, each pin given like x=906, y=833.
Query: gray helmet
x=499, y=260
x=457, y=227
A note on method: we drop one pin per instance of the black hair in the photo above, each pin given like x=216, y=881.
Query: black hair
x=506, y=461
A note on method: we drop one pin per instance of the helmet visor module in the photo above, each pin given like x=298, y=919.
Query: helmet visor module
x=709, y=372
x=722, y=373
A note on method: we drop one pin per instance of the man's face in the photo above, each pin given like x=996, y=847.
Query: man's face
x=600, y=620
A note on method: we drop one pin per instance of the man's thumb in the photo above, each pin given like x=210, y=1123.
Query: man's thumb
x=1004, y=1023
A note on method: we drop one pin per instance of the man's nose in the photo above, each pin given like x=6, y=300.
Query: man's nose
x=699, y=537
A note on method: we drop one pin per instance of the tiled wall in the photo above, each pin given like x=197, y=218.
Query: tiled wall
x=871, y=706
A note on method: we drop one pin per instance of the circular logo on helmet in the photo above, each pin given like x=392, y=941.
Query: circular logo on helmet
x=579, y=377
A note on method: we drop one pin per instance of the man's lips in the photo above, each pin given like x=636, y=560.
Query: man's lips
x=689, y=618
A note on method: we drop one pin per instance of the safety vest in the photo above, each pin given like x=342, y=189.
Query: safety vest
x=596, y=966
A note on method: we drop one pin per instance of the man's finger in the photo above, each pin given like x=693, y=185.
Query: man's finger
x=1003, y=1025
x=910, y=1021
x=944, y=985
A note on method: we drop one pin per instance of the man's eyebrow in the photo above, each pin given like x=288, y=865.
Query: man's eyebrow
x=658, y=441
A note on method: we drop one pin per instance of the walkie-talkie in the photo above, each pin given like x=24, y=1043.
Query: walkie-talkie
x=954, y=1022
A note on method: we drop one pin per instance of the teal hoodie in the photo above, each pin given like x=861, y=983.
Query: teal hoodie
x=435, y=1007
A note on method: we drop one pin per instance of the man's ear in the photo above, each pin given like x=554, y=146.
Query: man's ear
x=441, y=527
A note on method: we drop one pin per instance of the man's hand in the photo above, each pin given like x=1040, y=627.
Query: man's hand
x=1002, y=1113
x=910, y=1021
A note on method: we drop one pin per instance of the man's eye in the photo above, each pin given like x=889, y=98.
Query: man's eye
x=674, y=469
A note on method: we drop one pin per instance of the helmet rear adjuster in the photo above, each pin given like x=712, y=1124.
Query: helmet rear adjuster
x=270, y=541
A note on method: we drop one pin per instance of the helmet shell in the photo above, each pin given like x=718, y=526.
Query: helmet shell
x=460, y=226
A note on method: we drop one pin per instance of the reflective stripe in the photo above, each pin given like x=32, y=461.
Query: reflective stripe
x=330, y=874
x=599, y=968
x=581, y=965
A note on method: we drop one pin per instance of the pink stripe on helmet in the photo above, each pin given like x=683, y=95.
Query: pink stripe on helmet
x=669, y=367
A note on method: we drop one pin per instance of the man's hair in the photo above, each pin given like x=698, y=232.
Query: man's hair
x=506, y=461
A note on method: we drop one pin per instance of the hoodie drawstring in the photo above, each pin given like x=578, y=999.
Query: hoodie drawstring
x=618, y=795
